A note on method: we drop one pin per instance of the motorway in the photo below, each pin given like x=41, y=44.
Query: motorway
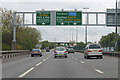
x=75, y=66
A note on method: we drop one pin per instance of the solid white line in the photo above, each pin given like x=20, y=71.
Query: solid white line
x=99, y=71
x=82, y=62
x=38, y=63
x=44, y=60
x=22, y=75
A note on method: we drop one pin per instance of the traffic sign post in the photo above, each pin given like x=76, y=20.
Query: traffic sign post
x=43, y=17
x=68, y=18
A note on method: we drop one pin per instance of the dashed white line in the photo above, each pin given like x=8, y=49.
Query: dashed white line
x=38, y=63
x=98, y=71
x=44, y=60
x=82, y=62
x=72, y=57
x=47, y=57
x=25, y=73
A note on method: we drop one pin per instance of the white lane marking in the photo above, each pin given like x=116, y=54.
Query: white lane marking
x=38, y=63
x=82, y=62
x=72, y=57
x=44, y=60
x=47, y=57
x=25, y=73
x=99, y=71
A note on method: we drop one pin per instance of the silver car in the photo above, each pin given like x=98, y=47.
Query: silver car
x=60, y=51
x=93, y=50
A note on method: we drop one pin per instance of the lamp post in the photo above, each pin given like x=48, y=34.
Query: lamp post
x=116, y=44
x=86, y=25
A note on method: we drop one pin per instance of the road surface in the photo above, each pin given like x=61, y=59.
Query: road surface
x=75, y=66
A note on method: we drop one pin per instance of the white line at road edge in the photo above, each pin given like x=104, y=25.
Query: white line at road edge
x=38, y=63
x=44, y=60
x=99, y=71
x=22, y=75
x=82, y=62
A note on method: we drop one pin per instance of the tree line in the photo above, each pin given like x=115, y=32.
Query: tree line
x=27, y=37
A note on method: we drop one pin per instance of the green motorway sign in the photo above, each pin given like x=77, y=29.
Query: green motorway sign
x=43, y=17
x=68, y=18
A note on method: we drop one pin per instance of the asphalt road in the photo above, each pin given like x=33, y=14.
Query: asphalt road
x=75, y=66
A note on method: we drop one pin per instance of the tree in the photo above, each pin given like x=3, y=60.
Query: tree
x=27, y=37
x=109, y=40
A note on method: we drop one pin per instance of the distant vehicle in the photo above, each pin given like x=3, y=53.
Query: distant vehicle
x=47, y=49
x=36, y=52
x=70, y=50
x=93, y=50
x=60, y=51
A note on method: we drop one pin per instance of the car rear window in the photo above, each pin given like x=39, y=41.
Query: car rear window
x=94, y=47
x=70, y=49
x=60, y=49
x=35, y=50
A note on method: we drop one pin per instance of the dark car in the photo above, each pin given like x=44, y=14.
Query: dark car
x=70, y=50
x=36, y=52
x=47, y=49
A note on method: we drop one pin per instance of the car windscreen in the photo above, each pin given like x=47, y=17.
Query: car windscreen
x=94, y=47
x=60, y=49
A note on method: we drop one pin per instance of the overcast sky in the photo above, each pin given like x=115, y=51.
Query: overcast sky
x=65, y=33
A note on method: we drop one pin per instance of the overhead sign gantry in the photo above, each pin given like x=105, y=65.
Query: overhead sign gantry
x=58, y=18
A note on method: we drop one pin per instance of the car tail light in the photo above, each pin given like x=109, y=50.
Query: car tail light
x=65, y=52
x=100, y=50
x=89, y=51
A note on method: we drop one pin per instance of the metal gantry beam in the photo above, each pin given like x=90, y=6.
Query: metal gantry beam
x=33, y=14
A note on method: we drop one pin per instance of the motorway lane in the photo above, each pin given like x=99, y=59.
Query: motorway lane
x=108, y=65
x=75, y=66
x=13, y=69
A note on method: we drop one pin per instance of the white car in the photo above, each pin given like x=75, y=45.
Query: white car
x=93, y=50
x=60, y=51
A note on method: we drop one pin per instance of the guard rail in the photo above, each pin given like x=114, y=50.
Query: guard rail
x=14, y=53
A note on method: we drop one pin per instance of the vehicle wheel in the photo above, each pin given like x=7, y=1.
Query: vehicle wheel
x=101, y=57
x=85, y=57
x=55, y=56
x=32, y=55
x=65, y=56
x=40, y=55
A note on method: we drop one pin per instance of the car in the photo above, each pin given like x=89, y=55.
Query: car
x=60, y=51
x=93, y=50
x=36, y=52
x=47, y=49
x=70, y=50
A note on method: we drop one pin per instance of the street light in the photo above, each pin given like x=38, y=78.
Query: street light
x=116, y=44
x=86, y=25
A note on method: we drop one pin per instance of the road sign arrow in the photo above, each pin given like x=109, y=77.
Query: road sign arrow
x=62, y=23
x=74, y=23
x=43, y=23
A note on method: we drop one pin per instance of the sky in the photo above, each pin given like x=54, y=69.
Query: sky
x=65, y=33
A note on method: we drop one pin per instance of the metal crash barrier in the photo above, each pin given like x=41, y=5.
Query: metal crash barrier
x=115, y=54
x=10, y=54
